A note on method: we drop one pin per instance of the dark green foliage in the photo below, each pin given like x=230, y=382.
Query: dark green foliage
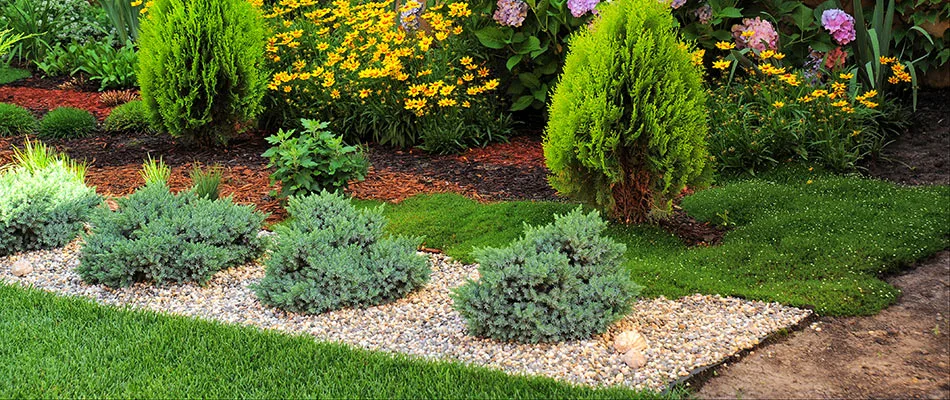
x=627, y=127
x=129, y=117
x=562, y=281
x=9, y=74
x=113, y=67
x=200, y=67
x=206, y=182
x=87, y=350
x=67, y=122
x=43, y=201
x=332, y=256
x=162, y=237
x=313, y=160
x=16, y=120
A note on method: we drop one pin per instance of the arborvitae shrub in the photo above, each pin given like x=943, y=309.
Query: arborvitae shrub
x=562, y=281
x=627, y=128
x=67, y=122
x=43, y=201
x=163, y=237
x=332, y=256
x=16, y=120
x=200, y=67
x=130, y=117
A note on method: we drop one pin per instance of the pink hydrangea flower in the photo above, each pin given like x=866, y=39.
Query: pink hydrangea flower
x=580, y=7
x=839, y=24
x=755, y=34
x=511, y=12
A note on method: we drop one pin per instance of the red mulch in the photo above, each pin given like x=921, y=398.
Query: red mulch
x=40, y=100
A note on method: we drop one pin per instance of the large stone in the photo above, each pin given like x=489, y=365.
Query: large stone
x=635, y=359
x=21, y=268
x=630, y=340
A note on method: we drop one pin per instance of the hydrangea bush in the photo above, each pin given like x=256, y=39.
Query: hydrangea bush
x=563, y=281
x=331, y=255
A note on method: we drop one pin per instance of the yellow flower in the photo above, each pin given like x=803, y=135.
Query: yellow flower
x=725, y=45
x=888, y=60
x=446, y=90
x=855, y=133
x=323, y=46
x=468, y=77
x=779, y=56
x=483, y=72
x=335, y=94
x=778, y=104
x=766, y=54
x=748, y=33
x=869, y=104
x=136, y=3
x=846, y=75
x=722, y=64
x=447, y=102
x=809, y=182
x=840, y=103
x=465, y=60
x=466, y=104
x=364, y=93
x=697, y=56
x=491, y=84
x=287, y=89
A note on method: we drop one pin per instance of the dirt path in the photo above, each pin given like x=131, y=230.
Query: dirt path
x=902, y=352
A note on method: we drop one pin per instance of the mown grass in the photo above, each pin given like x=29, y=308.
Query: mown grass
x=823, y=244
x=58, y=347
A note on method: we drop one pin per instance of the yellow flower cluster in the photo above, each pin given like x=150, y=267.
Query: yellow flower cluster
x=145, y=5
x=356, y=50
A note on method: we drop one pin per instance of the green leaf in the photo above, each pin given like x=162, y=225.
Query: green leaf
x=493, y=37
x=522, y=102
x=530, y=80
x=513, y=61
x=730, y=12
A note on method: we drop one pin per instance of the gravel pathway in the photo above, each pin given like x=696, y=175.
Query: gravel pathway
x=683, y=334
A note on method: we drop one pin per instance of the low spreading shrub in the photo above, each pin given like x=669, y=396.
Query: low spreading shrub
x=67, y=122
x=402, y=77
x=163, y=237
x=562, y=281
x=331, y=255
x=43, y=200
x=129, y=117
x=200, y=67
x=16, y=120
x=313, y=160
x=627, y=128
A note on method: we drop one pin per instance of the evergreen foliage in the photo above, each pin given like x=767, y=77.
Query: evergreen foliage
x=332, y=256
x=562, y=281
x=200, y=67
x=627, y=128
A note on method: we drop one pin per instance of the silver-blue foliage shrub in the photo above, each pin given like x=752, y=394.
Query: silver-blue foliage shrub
x=159, y=236
x=332, y=256
x=562, y=281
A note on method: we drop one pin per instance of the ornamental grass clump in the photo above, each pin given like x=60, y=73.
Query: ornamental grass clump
x=627, y=128
x=332, y=256
x=161, y=237
x=562, y=281
x=16, y=120
x=398, y=75
x=66, y=123
x=43, y=200
x=201, y=67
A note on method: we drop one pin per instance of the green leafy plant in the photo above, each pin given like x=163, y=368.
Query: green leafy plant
x=47, y=23
x=162, y=237
x=927, y=16
x=155, y=171
x=113, y=67
x=562, y=281
x=124, y=17
x=43, y=200
x=313, y=160
x=62, y=60
x=331, y=255
x=16, y=120
x=206, y=182
x=131, y=117
x=200, y=67
x=627, y=128
x=67, y=122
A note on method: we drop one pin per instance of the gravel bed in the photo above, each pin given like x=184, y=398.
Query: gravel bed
x=683, y=334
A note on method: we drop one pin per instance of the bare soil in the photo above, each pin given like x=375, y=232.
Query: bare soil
x=902, y=352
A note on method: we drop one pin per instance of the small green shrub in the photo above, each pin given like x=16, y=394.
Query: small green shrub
x=155, y=171
x=332, y=256
x=200, y=66
x=67, y=122
x=130, y=117
x=16, y=120
x=313, y=160
x=562, y=281
x=627, y=128
x=163, y=237
x=43, y=200
x=207, y=182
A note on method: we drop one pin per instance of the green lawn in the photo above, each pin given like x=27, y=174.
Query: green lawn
x=58, y=347
x=822, y=245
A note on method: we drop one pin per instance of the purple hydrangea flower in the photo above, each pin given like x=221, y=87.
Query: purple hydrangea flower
x=511, y=12
x=762, y=37
x=677, y=3
x=580, y=7
x=703, y=14
x=839, y=24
